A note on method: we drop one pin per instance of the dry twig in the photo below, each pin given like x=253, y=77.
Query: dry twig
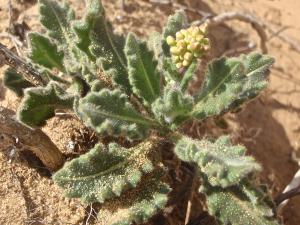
x=38, y=142
x=14, y=61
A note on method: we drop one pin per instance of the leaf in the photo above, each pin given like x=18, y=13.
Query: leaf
x=137, y=205
x=143, y=75
x=57, y=19
x=109, y=112
x=15, y=82
x=104, y=173
x=241, y=205
x=106, y=46
x=188, y=75
x=154, y=44
x=230, y=82
x=44, y=52
x=173, y=107
x=39, y=104
x=224, y=165
x=83, y=27
x=174, y=24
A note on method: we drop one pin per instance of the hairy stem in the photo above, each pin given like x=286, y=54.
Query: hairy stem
x=35, y=140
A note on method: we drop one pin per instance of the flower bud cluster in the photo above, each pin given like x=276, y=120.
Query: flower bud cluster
x=188, y=45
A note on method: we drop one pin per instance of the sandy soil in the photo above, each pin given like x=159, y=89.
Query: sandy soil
x=269, y=126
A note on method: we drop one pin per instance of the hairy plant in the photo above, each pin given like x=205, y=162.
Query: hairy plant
x=126, y=87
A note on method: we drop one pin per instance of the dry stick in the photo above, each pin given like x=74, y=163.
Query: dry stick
x=37, y=141
x=215, y=20
x=257, y=26
x=291, y=190
x=14, y=61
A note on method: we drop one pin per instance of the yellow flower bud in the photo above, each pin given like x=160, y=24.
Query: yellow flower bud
x=185, y=63
x=199, y=37
x=181, y=44
x=188, y=56
x=179, y=65
x=174, y=50
x=171, y=41
x=196, y=31
x=204, y=28
x=195, y=46
x=179, y=36
x=176, y=59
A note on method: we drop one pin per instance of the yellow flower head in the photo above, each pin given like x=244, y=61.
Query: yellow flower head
x=189, y=44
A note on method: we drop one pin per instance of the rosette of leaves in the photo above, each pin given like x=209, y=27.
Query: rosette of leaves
x=122, y=86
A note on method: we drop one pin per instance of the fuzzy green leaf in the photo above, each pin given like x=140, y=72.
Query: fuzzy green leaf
x=44, y=52
x=104, y=173
x=106, y=46
x=137, y=205
x=223, y=164
x=109, y=112
x=241, y=205
x=188, y=75
x=57, y=19
x=15, y=82
x=174, y=24
x=173, y=107
x=230, y=82
x=39, y=104
x=83, y=28
x=143, y=75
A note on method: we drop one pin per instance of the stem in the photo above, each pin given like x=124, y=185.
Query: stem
x=35, y=140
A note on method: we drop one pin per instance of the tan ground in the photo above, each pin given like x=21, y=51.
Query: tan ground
x=268, y=126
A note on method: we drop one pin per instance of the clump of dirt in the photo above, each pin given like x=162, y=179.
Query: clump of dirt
x=268, y=126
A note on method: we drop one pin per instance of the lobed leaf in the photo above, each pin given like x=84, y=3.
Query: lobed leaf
x=143, y=75
x=57, y=19
x=106, y=46
x=221, y=163
x=240, y=205
x=40, y=103
x=43, y=52
x=230, y=82
x=104, y=173
x=15, y=82
x=110, y=112
x=173, y=107
x=137, y=205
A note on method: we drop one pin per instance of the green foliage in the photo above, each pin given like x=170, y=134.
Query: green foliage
x=174, y=24
x=143, y=76
x=137, y=205
x=15, y=82
x=131, y=89
x=230, y=82
x=240, y=205
x=104, y=173
x=110, y=112
x=173, y=107
x=188, y=75
x=44, y=52
x=106, y=46
x=221, y=163
x=39, y=104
